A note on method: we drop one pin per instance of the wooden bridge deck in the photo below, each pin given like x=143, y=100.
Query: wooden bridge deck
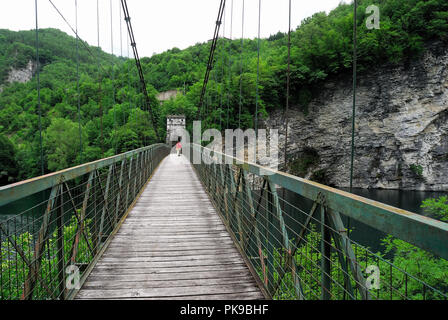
x=172, y=245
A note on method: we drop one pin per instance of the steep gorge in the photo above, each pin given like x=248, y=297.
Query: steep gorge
x=401, y=139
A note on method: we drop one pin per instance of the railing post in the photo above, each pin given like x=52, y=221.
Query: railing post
x=235, y=194
x=325, y=250
x=286, y=244
x=33, y=273
x=135, y=177
x=337, y=224
x=105, y=205
x=140, y=174
x=129, y=182
x=60, y=247
x=151, y=161
x=253, y=216
x=97, y=203
x=120, y=184
x=80, y=229
x=270, y=238
x=147, y=163
x=224, y=193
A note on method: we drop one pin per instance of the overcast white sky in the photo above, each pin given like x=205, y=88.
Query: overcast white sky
x=159, y=25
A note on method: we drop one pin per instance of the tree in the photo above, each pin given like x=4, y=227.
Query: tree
x=8, y=164
x=62, y=144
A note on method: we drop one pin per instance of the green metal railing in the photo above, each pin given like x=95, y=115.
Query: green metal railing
x=53, y=228
x=291, y=233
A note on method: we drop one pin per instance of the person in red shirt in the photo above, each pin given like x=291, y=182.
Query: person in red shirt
x=178, y=148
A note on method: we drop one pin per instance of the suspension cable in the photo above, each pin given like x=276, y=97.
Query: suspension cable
x=100, y=79
x=129, y=82
x=241, y=67
x=38, y=93
x=212, y=53
x=288, y=75
x=221, y=103
x=77, y=81
x=139, y=67
x=113, y=75
x=121, y=35
x=258, y=75
x=75, y=32
x=230, y=65
x=215, y=79
x=354, y=92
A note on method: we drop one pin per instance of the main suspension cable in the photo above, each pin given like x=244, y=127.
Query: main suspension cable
x=77, y=81
x=38, y=92
x=258, y=75
x=288, y=76
x=241, y=67
x=113, y=75
x=230, y=65
x=354, y=91
x=211, y=54
x=100, y=78
x=139, y=67
x=75, y=32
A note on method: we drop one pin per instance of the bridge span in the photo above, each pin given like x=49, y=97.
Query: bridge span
x=172, y=245
x=147, y=224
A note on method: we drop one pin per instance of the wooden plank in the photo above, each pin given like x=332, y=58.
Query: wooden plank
x=130, y=284
x=191, y=237
x=171, y=276
x=118, y=258
x=172, y=245
x=223, y=296
x=168, y=264
x=175, y=242
x=166, y=292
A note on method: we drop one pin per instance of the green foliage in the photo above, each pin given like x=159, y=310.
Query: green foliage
x=420, y=264
x=8, y=165
x=106, y=128
x=320, y=176
x=15, y=270
x=321, y=48
x=62, y=143
x=308, y=158
x=417, y=170
x=406, y=272
x=437, y=207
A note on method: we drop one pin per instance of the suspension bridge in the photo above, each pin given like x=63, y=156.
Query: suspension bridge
x=148, y=224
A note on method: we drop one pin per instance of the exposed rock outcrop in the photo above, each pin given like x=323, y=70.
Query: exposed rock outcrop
x=22, y=75
x=401, y=127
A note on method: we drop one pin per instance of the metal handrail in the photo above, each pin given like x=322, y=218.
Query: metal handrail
x=425, y=232
x=279, y=238
x=21, y=189
x=69, y=227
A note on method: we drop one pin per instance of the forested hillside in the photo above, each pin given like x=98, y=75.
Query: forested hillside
x=321, y=47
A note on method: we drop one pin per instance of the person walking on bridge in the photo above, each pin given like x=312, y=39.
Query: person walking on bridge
x=178, y=148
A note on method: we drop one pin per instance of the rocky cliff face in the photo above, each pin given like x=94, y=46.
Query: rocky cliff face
x=22, y=75
x=401, y=139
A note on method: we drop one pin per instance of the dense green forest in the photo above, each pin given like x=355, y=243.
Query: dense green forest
x=113, y=119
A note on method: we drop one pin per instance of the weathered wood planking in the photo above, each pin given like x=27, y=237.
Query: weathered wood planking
x=172, y=245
